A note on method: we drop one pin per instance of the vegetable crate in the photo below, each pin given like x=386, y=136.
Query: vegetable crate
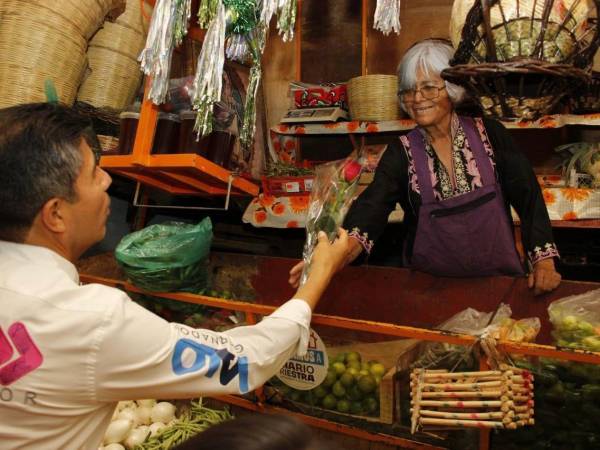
x=361, y=383
x=278, y=186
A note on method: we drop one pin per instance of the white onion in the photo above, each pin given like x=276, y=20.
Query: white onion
x=136, y=437
x=142, y=415
x=148, y=403
x=125, y=404
x=128, y=414
x=117, y=431
x=113, y=447
x=156, y=428
x=163, y=412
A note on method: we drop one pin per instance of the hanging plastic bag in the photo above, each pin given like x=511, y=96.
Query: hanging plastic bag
x=576, y=321
x=167, y=257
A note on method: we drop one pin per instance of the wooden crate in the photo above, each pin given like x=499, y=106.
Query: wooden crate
x=394, y=355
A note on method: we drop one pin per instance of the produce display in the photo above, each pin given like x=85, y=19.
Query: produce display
x=192, y=314
x=157, y=425
x=567, y=409
x=576, y=321
x=351, y=386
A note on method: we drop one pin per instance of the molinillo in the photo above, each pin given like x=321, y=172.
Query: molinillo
x=489, y=399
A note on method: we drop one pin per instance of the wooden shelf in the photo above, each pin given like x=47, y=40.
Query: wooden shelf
x=360, y=127
x=179, y=174
x=583, y=223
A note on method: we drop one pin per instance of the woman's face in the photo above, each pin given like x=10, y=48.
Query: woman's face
x=428, y=111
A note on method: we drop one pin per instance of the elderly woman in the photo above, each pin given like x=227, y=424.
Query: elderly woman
x=455, y=178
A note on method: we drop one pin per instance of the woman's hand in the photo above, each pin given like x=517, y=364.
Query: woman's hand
x=544, y=277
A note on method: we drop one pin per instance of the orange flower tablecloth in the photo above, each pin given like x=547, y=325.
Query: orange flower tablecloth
x=277, y=212
x=572, y=203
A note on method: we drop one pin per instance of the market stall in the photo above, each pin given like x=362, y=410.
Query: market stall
x=223, y=119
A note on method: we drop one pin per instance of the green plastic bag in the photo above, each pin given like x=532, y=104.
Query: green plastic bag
x=172, y=256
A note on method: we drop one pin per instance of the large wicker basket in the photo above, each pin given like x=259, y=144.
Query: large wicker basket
x=44, y=41
x=373, y=97
x=112, y=54
x=555, y=31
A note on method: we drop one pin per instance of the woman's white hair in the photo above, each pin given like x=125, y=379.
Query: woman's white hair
x=431, y=57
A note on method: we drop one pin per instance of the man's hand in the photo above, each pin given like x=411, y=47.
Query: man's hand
x=326, y=260
x=353, y=249
x=544, y=277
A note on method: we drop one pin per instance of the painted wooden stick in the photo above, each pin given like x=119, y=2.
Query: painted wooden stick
x=453, y=375
x=460, y=394
x=465, y=404
x=459, y=386
x=468, y=416
x=461, y=423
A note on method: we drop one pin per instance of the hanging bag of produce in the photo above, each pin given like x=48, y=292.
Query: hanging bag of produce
x=167, y=257
x=576, y=321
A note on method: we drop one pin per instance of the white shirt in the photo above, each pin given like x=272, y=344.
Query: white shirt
x=68, y=352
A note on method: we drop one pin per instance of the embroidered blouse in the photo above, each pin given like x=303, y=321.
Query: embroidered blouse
x=396, y=182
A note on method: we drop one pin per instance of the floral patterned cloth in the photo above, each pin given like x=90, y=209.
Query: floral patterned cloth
x=277, y=212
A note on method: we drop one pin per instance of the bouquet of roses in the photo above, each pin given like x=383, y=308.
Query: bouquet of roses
x=333, y=191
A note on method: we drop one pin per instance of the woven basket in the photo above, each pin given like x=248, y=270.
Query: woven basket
x=42, y=40
x=523, y=89
x=373, y=98
x=586, y=99
x=114, y=70
x=555, y=31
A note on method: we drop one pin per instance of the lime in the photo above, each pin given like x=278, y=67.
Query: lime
x=330, y=378
x=353, y=371
x=353, y=365
x=367, y=384
x=343, y=406
x=365, y=366
x=338, y=389
x=329, y=402
x=355, y=393
x=340, y=357
x=320, y=392
x=356, y=407
x=370, y=405
x=377, y=370
x=353, y=356
x=294, y=396
x=347, y=379
x=339, y=368
x=364, y=372
x=377, y=379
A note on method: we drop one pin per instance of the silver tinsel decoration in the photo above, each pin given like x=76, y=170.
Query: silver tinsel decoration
x=208, y=82
x=286, y=12
x=167, y=29
x=387, y=16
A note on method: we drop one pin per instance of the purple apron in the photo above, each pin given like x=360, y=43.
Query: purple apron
x=468, y=235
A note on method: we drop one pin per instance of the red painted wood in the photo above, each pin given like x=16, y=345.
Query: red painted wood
x=406, y=297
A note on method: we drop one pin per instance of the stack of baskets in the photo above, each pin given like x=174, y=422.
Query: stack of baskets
x=45, y=42
x=521, y=57
x=114, y=70
x=373, y=98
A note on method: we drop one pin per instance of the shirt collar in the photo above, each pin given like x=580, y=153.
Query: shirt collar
x=38, y=255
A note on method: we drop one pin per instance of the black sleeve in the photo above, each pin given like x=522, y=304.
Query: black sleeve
x=522, y=192
x=369, y=212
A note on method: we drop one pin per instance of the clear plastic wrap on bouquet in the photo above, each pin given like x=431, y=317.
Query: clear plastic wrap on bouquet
x=333, y=191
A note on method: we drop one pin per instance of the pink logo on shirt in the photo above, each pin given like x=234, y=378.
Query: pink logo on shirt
x=30, y=356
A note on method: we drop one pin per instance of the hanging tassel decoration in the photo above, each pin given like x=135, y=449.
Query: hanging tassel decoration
x=387, y=16
x=208, y=82
x=286, y=20
x=207, y=12
x=257, y=45
x=268, y=8
x=167, y=28
x=237, y=48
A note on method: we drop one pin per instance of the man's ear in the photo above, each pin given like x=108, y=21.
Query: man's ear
x=52, y=215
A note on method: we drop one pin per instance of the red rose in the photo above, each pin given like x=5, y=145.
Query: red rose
x=351, y=170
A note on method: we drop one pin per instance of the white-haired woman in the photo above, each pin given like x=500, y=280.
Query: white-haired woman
x=455, y=178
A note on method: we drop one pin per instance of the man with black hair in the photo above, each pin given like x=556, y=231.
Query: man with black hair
x=68, y=352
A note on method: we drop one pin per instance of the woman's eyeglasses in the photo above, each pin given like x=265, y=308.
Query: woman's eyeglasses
x=427, y=92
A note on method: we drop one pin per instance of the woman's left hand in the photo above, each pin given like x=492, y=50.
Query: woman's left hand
x=544, y=277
